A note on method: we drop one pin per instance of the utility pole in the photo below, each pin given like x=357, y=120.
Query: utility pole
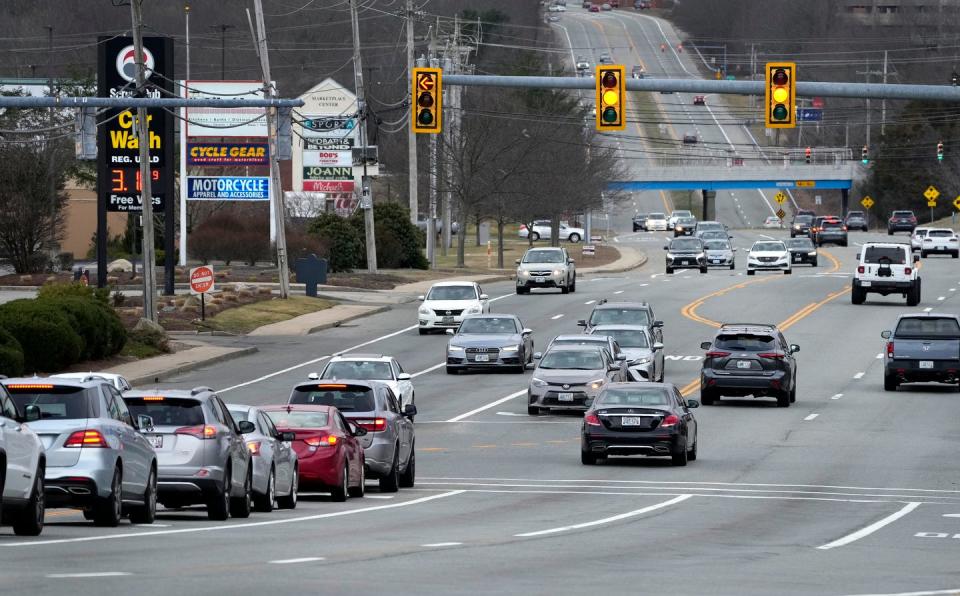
x=278, y=206
x=449, y=66
x=883, y=105
x=366, y=196
x=183, y=153
x=51, y=151
x=868, y=73
x=411, y=136
x=223, y=48
x=146, y=192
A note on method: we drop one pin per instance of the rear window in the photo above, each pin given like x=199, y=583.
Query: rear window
x=940, y=233
x=619, y=316
x=360, y=370
x=295, y=419
x=943, y=327
x=903, y=214
x=55, y=402
x=167, y=411
x=627, y=338
x=633, y=397
x=346, y=398
x=894, y=255
x=832, y=224
x=745, y=342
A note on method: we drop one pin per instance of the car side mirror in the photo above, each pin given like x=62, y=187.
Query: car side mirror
x=734, y=249
x=449, y=331
x=484, y=297
x=794, y=348
x=582, y=323
x=31, y=413
x=692, y=403
x=526, y=331
x=666, y=247
x=410, y=410
x=886, y=334
x=313, y=376
x=420, y=298
x=613, y=366
x=144, y=423
x=287, y=436
x=358, y=431
x=621, y=357
x=517, y=261
x=657, y=324
x=657, y=346
x=570, y=261
x=246, y=427
x=705, y=345
x=729, y=235
x=537, y=355
x=916, y=258
x=404, y=377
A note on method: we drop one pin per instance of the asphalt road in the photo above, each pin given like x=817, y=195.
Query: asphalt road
x=850, y=491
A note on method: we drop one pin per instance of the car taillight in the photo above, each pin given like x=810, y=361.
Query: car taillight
x=321, y=441
x=861, y=269
x=776, y=355
x=592, y=420
x=844, y=228
x=201, y=431
x=254, y=447
x=907, y=271
x=671, y=420
x=717, y=354
x=372, y=424
x=889, y=349
x=86, y=438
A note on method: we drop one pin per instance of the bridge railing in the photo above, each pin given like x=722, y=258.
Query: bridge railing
x=765, y=156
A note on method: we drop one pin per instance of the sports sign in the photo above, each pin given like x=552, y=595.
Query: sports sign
x=228, y=188
x=228, y=154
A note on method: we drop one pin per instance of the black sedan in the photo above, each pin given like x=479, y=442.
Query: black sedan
x=489, y=341
x=685, y=253
x=802, y=250
x=639, y=419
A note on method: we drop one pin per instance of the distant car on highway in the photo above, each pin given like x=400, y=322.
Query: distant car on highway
x=677, y=214
x=606, y=7
x=916, y=238
x=546, y=268
x=623, y=313
x=557, y=8
x=685, y=253
x=570, y=377
x=800, y=226
x=886, y=268
x=942, y=241
x=640, y=222
x=690, y=138
x=643, y=356
x=772, y=222
x=641, y=4
x=22, y=467
x=640, y=419
x=275, y=481
x=542, y=229
x=594, y=8
x=749, y=359
x=856, y=220
x=901, y=221
x=683, y=226
x=699, y=100
x=447, y=302
x=582, y=64
x=831, y=231
x=371, y=367
x=637, y=72
x=605, y=59
x=922, y=348
x=484, y=342
x=720, y=253
x=656, y=222
x=802, y=250
x=768, y=255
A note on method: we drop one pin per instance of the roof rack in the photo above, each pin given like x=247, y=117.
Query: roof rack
x=200, y=389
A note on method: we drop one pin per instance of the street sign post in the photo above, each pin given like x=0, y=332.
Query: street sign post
x=201, y=282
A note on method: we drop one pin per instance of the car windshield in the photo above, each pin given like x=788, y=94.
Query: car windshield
x=633, y=397
x=924, y=327
x=543, y=256
x=298, y=419
x=168, y=411
x=361, y=370
x=920, y=231
x=347, y=398
x=686, y=244
x=804, y=243
x=940, y=233
x=572, y=360
x=745, y=342
x=627, y=338
x=803, y=219
x=682, y=214
x=656, y=216
x=55, y=402
x=619, y=316
x=452, y=293
x=716, y=245
x=713, y=235
x=893, y=255
x=686, y=220
x=489, y=325
x=710, y=225
x=768, y=247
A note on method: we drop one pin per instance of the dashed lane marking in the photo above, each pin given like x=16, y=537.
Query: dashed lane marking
x=86, y=575
x=606, y=520
x=492, y=404
x=555, y=317
x=837, y=396
x=928, y=309
x=441, y=544
x=877, y=525
x=589, y=301
x=293, y=561
x=859, y=375
x=879, y=356
x=810, y=417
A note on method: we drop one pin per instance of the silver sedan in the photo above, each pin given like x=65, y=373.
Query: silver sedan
x=275, y=474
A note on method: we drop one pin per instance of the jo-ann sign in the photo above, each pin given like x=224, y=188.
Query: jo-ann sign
x=228, y=154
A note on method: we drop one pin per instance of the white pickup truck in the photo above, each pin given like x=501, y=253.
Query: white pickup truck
x=886, y=268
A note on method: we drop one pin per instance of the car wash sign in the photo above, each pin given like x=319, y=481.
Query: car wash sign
x=228, y=188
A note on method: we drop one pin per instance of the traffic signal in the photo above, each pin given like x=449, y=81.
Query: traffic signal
x=427, y=115
x=781, y=95
x=808, y=152
x=611, y=97
x=940, y=151
x=864, y=155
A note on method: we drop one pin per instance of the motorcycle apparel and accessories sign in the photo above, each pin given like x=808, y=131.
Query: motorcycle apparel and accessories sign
x=228, y=154
x=228, y=188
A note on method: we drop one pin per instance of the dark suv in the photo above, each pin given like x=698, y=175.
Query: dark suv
x=800, y=225
x=831, y=230
x=749, y=359
x=856, y=220
x=901, y=221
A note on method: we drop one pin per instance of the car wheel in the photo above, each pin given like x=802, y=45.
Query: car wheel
x=844, y=243
x=358, y=491
x=533, y=411
x=792, y=235
x=732, y=266
x=451, y=370
x=267, y=501
x=241, y=506
x=574, y=238
x=783, y=399
x=290, y=501
x=793, y=394
x=28, y=521
x=923, y=254
x=534, y=236
x=692, y=454
x=707, y=398
x=565, y=290
x=409, y=476
x=751, y=272
x=147, y=513
x=587, y=458
x=422, y=331
x=913, y=295
x=889, y=232
x=814, y=263
x=857, y=295
x=669, y=271
x=522, y=290
x=703, y=270
x=890, y=383
x=573, y=286
x=108, y=510
x=340, y=493
x=787, y=271
x=391, y=482
x=218, y=507
x=679, y=457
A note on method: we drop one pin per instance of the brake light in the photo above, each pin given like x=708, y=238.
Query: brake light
x=844, y=228
x=907, y=271
x=776, y=355
x=321, y=441
x=86, y=438
x=372, y=424
x=671, y=420
x=592, y=420
x=201, y=431
x=889, y=349
x=331, y=386
x=152, y=398
x=29, y=386
x=254, y=447
x=717, y=354
x=861, y=269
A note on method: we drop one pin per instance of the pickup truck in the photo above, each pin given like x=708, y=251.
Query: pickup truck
x=922, y=348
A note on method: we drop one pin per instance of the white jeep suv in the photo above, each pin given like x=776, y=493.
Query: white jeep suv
x=886, y=268
x=447, y=302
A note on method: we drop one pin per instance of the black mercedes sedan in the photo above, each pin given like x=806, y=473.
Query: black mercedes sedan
x=489, y=341
x=640, y=419
x=802, y=250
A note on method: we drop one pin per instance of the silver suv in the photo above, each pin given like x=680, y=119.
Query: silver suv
x=23, y=460
x=570, y=377
x=546, y=268
x=389, y=445
x=203, y=457
x=97, y=459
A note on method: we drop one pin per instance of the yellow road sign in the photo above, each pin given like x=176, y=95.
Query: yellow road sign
x=780, y=197
x=781, y=214
x=867, y=202
x=931, y=193
x=956, y=203
x=932, y=203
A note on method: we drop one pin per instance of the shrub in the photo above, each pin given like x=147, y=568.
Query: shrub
x=74, y=290
x=398, y=240
x=94, y=320
x=65, y=260
x=345, y=244
x=45, y=332
x=11, y=355
x=301, y=243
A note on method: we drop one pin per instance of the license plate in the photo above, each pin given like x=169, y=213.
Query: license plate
x=796, y=258
x=564, y=397
x=446, y=320
x=156, y=441
x=743, y=364
x=482, y=358
x=540, y=280
x=629, y=421
x=865, y=284
x=715, y=261
x=926, y=364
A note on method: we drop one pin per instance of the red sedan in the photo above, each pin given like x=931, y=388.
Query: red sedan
x=330, y=458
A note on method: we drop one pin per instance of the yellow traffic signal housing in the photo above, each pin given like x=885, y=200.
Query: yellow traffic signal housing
x=611, y=97
x=427, y=100
x=780, y=103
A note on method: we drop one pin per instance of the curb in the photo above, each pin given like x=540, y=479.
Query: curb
x=642, y=261
x=333, y=324
x=162, y=375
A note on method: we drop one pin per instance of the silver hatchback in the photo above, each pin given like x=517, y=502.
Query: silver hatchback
x=275, y=474
x=97, y=459
x=389, y=445
x=202, y=455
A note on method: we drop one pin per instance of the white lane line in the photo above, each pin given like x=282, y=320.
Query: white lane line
x=765, y=236
x=272, y=522
x=644, y=285
x=941, y=298
x=605, y=520
x=810, y=417
x=384, y=497
x=864, y=532
x=928, y=309
x=488, y=406
x=859, y=375
x=952, y=592
x=589, y=301
x=879, y=356
x=428, y=370
x=555, y=317
x=837, y=396
x=440, y=544
x=292, y=561
x=619, y=292
x=93, y=574
x=953, y=289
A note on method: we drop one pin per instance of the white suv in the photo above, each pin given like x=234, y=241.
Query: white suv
x=886, y=268
x=447, y=302
x=21, y=479
x=942, y=241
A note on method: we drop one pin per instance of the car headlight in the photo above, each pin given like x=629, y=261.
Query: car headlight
x=424, y=310
x=812, y=253
x=538, y=382
x=641, y=361
x=473, y=310
x=557, y=272
x=455, y=349
x=523, y=272
x=510, y=349
x=796, y=227
x=596, y=384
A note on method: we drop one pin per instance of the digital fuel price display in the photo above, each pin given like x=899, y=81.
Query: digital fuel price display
x=126, y=187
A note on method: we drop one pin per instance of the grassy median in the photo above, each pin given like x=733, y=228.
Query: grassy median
x=246, y=318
